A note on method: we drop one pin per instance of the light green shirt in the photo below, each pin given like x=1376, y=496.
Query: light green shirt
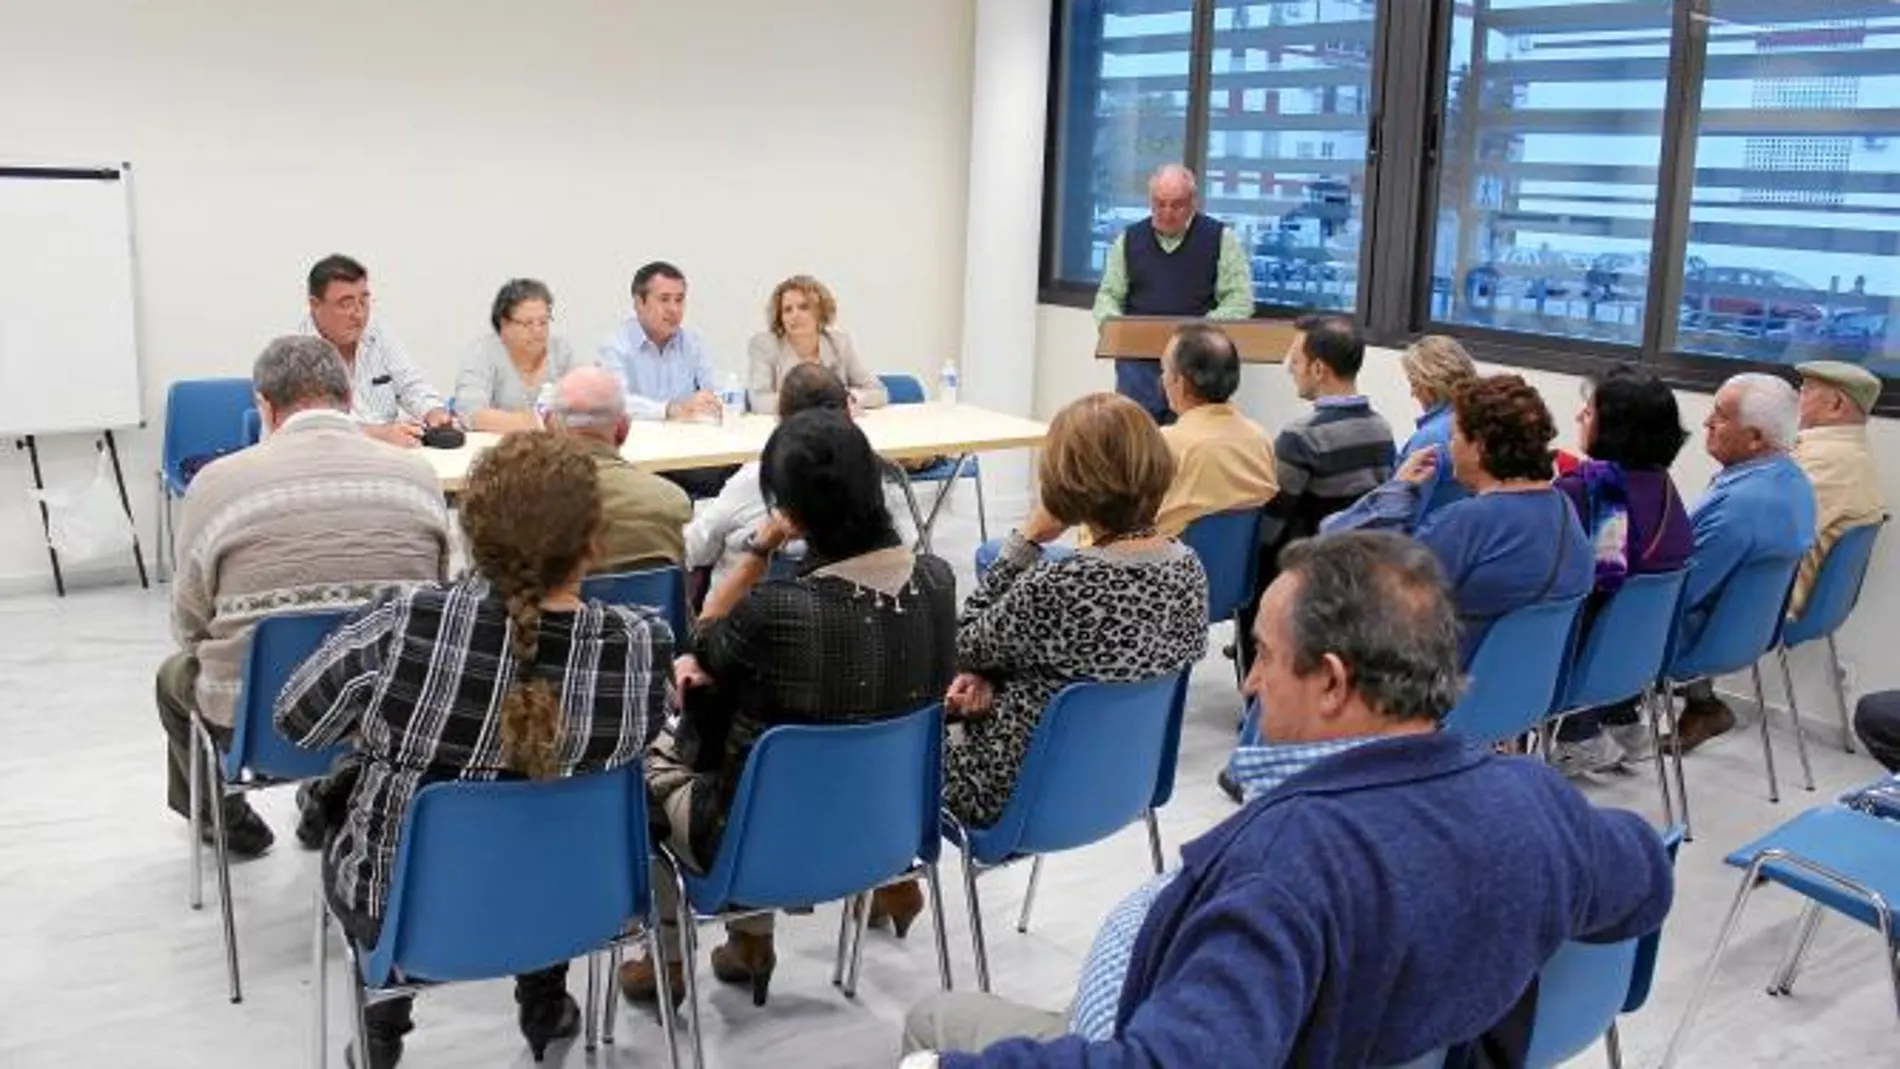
x=1233, y=278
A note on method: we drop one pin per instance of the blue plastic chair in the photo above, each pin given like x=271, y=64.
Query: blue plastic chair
x=495, y=879
x=1585, y=987
x=1837, y=858
x=1517, y=672
x=906, y=390
x=1741, y=625
x=1228, y=544
x=1835, y=592
x=1622, y=652
x=1098, y=761
x=259, y=757
x=821, y=813
x=202, y=416
x=661, y=589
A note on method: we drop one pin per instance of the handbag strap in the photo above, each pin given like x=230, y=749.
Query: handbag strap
x=1563, y=548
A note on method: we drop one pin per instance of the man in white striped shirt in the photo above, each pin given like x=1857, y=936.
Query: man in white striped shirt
x=390, y=398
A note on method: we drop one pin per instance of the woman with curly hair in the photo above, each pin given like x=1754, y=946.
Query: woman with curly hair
x=1516, y=540
x=504, y=674
x=798, y=321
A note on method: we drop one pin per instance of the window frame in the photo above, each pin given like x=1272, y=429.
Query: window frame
x=1407, y=100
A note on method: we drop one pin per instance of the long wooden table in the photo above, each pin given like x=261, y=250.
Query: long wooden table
x=899, y=432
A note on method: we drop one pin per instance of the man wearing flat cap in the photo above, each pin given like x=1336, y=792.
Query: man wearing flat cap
x=1836, y=399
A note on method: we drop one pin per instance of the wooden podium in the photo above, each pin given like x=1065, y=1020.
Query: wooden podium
x=1260, y=341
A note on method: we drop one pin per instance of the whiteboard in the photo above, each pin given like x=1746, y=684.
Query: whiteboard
x=68, y=327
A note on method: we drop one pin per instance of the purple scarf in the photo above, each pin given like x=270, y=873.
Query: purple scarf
x=1606, y=520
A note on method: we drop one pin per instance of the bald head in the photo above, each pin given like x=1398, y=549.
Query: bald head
x=588, y=403
x=1172, y=199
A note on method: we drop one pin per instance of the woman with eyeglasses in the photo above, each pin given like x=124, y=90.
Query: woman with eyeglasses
x=505, y=370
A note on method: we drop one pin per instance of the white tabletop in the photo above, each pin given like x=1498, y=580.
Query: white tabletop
x=899, y=432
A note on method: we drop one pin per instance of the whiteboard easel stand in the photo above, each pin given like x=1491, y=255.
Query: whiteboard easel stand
x=31, y=444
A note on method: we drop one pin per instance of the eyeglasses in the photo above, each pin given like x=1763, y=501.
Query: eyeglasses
x=533, y=324
x=352, y=304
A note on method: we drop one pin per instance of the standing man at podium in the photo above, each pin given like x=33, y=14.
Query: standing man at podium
x=1176, y=262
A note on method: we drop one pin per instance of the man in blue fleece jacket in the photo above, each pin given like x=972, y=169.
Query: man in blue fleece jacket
x=1395, y=896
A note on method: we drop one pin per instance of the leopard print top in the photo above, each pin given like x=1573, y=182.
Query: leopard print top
x=1035, y=626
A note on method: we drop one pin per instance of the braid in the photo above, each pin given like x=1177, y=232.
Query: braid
x=531, y=507
x=530, y=711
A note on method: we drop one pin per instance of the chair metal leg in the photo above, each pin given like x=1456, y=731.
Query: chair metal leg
x=610, y=1005
x=844, y=936
x=194, y=775
x=982, y=509
x=1613, y=1047
x=689, y=958
x=1767, y=742
x=857, y=946
x=1893, y=965
x=1701, y=992
x=1650, y=713
x=1029, y=895
x=1154, y=842
x=591, y=1008
x=664, y=988
x=1794, y=715
x=935, y=890
x=1838, y=677
x=976, y=923
x=320, y=986
x=222, y=849
x=1782, y=982
x=1675, y=758
x=360, y=1000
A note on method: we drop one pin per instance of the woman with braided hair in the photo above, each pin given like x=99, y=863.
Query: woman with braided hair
x=506, y=673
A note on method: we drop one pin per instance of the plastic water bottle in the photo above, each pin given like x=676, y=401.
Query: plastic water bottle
x=731, y=398
x=947, y=382
x=544, y=404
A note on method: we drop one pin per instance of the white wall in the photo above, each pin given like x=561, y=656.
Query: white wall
x=1066, y=369
x=451, y=146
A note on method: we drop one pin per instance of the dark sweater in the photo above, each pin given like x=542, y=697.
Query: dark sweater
x=1384, y=903
x=1506, y=550
x=1660, y=536
x=1325, y=461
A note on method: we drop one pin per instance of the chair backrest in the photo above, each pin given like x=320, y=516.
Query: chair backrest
x=278, y=645
x=825, y=811
x=1643, y=973
x=1514, y=676
x=1836, y=587
x=1584, y=987
x=495, y=879
x=1094, y=765
x=1171, y=744
x=1580, y=990
x=903, y=389
x=1622, y=651
x=1742, y=624
x=205, y=416
x=1228, y=544
x=661, y=589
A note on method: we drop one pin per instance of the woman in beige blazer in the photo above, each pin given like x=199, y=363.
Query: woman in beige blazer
x=799, y=318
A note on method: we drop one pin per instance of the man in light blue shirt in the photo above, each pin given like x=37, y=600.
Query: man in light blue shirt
x=1760, y=505
x=663, y=367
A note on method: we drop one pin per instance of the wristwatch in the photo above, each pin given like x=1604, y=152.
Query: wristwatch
x=923, y=1059
x=756, y=550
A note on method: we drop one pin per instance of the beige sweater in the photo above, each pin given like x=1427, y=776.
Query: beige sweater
x=318, y=516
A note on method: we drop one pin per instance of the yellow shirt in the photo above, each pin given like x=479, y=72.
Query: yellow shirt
x=1222, y=461
x=1846, y=493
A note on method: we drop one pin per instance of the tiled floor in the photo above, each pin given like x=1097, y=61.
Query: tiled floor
x=101, y=964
